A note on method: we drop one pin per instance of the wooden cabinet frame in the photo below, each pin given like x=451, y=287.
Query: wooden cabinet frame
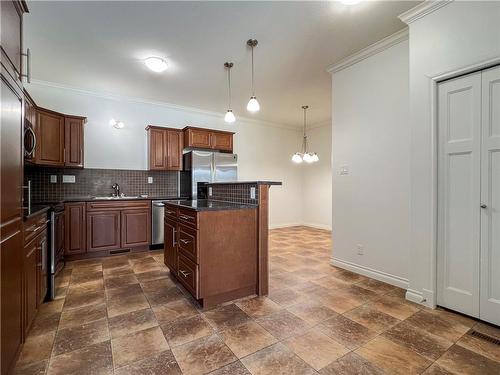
x=165, y=147
x=202, y=138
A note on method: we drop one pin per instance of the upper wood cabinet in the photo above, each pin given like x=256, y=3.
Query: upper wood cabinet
x=165, y=148
x=208, y=139
x=59, y=137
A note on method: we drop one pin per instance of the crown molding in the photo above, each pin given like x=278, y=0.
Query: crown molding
x=176, y=107
x=422, y=10
x=371, y=50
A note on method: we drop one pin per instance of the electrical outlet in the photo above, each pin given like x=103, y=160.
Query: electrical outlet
x=209, y=191
x=53, y=179
x=252, y=192
x=150, y=180
x=67, y=179
x=361, y=249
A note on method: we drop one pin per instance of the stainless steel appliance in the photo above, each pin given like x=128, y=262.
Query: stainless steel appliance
x=55, y=257
x=207, y=166
x=157, y=212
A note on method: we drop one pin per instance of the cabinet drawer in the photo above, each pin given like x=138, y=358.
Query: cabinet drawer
x=188, y=244
x=188, y=217
x=171, y=212
x=188, y=275
x=99, y=206
x=34, y=226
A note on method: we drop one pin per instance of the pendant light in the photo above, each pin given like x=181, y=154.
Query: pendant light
x=253, y=105
x=305, y=155
x=229, y=117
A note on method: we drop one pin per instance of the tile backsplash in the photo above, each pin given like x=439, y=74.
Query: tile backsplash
x=98, y=182
x=238, y=193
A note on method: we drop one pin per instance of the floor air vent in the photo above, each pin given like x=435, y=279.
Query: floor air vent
x=484, y=337
x=119, y=251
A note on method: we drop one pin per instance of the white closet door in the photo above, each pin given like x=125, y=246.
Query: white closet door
x=459, y=123
x=490, y=197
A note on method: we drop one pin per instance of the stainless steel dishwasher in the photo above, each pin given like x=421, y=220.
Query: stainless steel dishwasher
x=157, y=212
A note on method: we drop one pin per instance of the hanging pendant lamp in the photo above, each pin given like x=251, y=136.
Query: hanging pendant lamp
x=229, y=117
x=305, y=155
x=253, y=105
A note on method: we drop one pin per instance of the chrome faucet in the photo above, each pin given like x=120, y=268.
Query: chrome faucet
x=116, y=188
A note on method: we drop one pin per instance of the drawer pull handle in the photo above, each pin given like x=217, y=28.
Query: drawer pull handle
x=185, y=242
x=186, y=217
x=171, y=212
x=184, y=273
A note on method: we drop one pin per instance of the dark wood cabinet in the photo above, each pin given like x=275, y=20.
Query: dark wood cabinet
x=103, y=230
x=49, y=132
x=165, y=147
x=170, y=245
x=11, y=24
x=136, y=228
x=30, y=284
x=42, y=249
x=74, y=228
x=208, y=139
x=73, y=141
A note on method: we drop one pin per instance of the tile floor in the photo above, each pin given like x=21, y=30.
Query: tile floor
x=124, y=315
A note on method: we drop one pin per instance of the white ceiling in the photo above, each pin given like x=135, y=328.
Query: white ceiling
x=99, y=46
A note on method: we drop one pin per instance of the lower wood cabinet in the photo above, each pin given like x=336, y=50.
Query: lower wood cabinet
x=103, y=230
x=30, y=281
x=74, y=228
x=170, y=245
x=136, y=227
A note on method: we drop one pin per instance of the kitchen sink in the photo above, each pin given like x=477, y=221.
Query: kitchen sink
x=116, y=198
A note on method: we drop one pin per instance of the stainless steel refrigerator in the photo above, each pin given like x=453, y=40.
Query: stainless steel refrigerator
x=207, y=166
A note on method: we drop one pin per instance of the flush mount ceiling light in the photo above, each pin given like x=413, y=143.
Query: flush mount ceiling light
x=305, y=155
x=253, y=105
x=350, y=2
x=229, y=117
x=156, y=64
x=116, y=124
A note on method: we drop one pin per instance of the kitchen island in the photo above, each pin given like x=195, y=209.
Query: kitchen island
x=217, y=247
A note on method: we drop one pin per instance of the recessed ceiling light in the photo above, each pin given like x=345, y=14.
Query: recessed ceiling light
x=350, y=2
x=156, y=64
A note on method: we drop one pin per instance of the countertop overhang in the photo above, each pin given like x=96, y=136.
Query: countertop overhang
x=210, y=205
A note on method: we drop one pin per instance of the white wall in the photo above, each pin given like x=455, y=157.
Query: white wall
x=453, y=37
x=317, y=183
x=371, y=136
x=263, y=150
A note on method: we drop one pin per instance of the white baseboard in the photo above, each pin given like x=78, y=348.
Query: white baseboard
x=414, y=296
x=317, y=226
x=370, y=272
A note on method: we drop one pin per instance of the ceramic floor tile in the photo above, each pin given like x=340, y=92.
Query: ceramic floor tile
x=247, y=338
x=276, y=359
x=128, y=303
x=73, y=338
x=94, y=359
x=394, y=307
x=80, y=299
x=36, y=368
x=185, y=330
x=259, y=306
x=316, y=349
x=393, y=357
x=346, y=331
x=312, y=312
x=203, y=355
x=120, y=281
x=437, y=325
x=283, y=324
x=372, y=318
x=160, y=364
x=45, y=323
x=235, y=368
x=171, y=311
x=131, y=322
x=37, y=348
x=137, y=346
x=82, y=315
x=463, y=361
x=351, y=364
x=226, y=316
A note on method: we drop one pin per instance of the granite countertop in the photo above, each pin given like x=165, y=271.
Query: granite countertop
x=36, y=209
x=89, y=198
x=246, y=183
x=210, y=205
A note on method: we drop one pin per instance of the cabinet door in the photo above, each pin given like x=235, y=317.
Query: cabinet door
x=174, y=150
x=222, y=141
x=157, y=149
x=30, y=283
x=170, y=245
x=42, y=250
x=136, y=228
x=11, y=32
x=74, y=228
x=50, y=139
x=73, y=143
x=59, y=236
x=103, y=230
x=199, y=138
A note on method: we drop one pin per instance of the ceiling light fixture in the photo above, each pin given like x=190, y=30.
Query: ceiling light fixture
x=253, y=105
x=350, y=2
x=116, y=124
x=308, y=157
x=156, y=64
x=229, y=117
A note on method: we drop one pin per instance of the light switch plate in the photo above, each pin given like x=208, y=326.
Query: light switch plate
x=150, y=180
x=209, y=191
x=53, y=179
x=68, y=179
x=344, y=170
x=252, y=192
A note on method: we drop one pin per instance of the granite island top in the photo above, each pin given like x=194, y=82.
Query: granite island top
x=210, y=205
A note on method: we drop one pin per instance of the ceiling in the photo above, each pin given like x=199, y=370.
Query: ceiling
x=99, y=46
